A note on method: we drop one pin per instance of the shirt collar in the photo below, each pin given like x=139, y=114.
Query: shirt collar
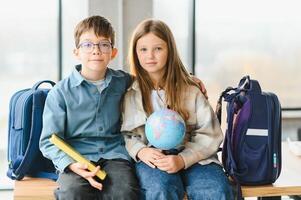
x=77, y=78
x=135, y=86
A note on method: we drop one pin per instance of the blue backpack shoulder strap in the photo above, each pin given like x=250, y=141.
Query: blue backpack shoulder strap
x=234, y=98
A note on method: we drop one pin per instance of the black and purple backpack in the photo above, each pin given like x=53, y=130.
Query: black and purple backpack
x=251, y=152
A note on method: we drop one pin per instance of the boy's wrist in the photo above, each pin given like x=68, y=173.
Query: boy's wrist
x=67, y=169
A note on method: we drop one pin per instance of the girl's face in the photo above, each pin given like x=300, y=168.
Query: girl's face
x=152, y=54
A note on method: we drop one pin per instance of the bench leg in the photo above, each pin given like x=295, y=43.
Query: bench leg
x=297, y=197
x=269, y=198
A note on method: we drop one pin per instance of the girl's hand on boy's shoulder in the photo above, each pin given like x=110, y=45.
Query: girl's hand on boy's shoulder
x=201, y=85
x=149, y=155
x=170, y=163
x=82, y=170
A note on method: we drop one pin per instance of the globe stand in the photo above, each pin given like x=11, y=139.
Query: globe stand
x=173, y=151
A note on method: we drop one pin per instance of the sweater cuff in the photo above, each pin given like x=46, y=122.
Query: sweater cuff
x=190, y=157
x=135, y=149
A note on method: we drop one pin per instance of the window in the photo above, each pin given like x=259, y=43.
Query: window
x=260, y=38
x=180, y=21
x=28, y=53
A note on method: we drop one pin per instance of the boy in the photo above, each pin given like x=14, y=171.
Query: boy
x=83, y=109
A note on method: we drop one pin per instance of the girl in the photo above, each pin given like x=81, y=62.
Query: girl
x=163, y=82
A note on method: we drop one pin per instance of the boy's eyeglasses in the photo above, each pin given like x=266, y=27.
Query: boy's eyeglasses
x=104, y=47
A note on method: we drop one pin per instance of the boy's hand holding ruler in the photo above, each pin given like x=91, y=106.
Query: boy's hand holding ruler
x=57, y=141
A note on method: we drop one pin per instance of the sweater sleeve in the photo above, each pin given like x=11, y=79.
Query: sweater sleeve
x=133, y=143
x=207, y=136
x=132, y=128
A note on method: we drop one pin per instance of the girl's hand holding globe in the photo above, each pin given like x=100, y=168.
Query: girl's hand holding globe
x=164, y=130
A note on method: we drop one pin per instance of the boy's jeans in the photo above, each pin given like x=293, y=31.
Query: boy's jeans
x=201, y=182
x=120, y=184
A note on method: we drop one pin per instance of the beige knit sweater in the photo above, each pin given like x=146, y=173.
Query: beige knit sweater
x=203, y=133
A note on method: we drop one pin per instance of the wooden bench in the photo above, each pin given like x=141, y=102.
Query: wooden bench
x=34, y=189
x=289, y=183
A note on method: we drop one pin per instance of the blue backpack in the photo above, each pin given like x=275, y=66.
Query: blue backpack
x=25, y=125
x=251, y=152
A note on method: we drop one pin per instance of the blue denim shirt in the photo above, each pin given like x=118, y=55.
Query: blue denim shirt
x=86, y=119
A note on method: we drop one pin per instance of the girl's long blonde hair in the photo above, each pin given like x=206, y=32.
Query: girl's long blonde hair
x=175, y=79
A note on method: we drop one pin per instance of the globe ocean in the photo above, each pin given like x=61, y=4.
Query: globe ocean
x=165, y=129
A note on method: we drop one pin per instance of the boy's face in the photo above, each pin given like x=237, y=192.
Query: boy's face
x=94, y=52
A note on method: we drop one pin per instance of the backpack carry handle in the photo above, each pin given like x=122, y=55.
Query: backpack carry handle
x=249, y=85
x=36, y=86
x=244, y=83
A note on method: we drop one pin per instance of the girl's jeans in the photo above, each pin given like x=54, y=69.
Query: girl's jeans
x=198, y=181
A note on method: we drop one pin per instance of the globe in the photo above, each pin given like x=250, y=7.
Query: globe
x=165, y=129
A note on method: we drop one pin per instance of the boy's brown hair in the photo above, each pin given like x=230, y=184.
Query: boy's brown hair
x=100, y=25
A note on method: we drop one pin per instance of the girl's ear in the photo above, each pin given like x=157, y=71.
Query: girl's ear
x=114, y=53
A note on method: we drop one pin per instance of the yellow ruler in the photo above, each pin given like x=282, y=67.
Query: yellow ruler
x=75, y=155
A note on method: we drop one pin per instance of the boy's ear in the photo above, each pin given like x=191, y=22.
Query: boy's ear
x=114, y=53
x=75, y=52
